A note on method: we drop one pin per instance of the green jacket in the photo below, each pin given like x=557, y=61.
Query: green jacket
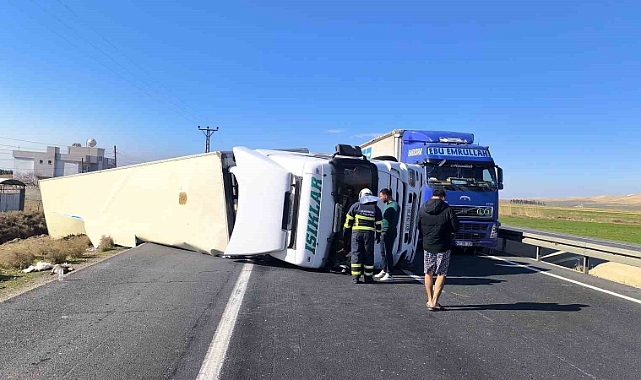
x=390, y=217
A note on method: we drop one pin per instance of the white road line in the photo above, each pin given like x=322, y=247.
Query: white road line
x=213, y=363
x=417, y=278
x=566, y=279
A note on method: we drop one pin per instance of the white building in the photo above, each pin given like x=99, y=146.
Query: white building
x=53, y=163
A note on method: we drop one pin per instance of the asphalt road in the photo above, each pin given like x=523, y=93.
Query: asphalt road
x=151, y=313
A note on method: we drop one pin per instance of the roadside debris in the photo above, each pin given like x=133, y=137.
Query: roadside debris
x=65, y=268
x=39, y=267
x=42, y=266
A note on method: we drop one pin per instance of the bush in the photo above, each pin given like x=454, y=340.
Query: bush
x=18, y=258
x=22, y=225
x=76, y=246
x=106, y=244
x=54, y=254
x=21, y=254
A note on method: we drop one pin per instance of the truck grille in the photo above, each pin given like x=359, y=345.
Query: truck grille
x=473, y=232
x=474, y=236
x=480, y=212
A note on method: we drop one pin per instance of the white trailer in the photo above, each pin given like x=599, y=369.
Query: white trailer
x=387, y=145
x=289, y=205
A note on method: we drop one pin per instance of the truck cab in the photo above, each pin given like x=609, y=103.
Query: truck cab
x=468, y=175
x=318, y=190
x=452, y=162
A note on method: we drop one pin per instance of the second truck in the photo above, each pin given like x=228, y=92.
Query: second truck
x=452, y=162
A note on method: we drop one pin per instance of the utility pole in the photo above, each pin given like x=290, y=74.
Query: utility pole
x=115, y=157
x=208, y=132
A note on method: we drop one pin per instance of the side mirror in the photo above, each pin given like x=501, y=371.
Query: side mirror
x=499, y=173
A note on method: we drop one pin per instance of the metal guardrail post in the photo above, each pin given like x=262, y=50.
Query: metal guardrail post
x=538, y=253
x=586, y=264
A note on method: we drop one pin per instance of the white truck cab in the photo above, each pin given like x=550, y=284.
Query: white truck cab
x=312, y=192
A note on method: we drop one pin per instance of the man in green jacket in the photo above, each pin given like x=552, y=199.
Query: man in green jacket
x=388, y=236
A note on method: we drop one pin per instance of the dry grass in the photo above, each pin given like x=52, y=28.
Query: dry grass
x=106, y=244
x=21, y=254
x=571, y=214
x=21, y=225
x=33, y=206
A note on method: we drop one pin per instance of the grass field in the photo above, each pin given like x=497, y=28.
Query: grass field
x=616, y=225
x=620, y=232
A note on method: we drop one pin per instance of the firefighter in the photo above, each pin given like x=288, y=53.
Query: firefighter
x=365, y=220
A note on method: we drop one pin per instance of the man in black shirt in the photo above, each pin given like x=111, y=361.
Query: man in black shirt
x=437, y=223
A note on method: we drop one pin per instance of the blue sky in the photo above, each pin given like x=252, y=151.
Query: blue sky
x=553, y=87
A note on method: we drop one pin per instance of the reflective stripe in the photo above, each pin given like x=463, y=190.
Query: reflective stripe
x=356, y=273
x=364, y=223
x=348, y=221
x=356, y=265
x=369, y=274
x=369, y=267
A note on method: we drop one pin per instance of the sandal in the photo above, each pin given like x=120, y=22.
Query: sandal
x=431, y=308
x=439, y=307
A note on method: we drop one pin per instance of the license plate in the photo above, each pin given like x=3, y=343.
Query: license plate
x=463, y=243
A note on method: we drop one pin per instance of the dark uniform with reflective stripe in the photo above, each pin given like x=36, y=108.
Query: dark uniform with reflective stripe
x=365, y=220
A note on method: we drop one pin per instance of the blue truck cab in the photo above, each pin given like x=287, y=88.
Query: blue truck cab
x=452, y=162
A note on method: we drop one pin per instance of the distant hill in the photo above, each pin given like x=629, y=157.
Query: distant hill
x=626, y=202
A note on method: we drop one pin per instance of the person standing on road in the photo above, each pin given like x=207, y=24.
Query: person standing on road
x=388, y=234
x=365, y=219
x=437, y=223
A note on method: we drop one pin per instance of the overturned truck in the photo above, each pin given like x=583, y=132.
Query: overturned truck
x=290, y=205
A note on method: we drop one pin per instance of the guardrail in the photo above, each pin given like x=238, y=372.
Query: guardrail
x=569, y=244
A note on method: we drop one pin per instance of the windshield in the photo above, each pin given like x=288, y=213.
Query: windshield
x=461, y=176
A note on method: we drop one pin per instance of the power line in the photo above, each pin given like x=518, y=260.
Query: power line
x=110, y=57
x=10, y=146
x=31, y=142
x=91, y=56
x=125, y=154
x=131, y=60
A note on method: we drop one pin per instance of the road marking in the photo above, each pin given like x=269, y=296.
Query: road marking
x=566, y=279
x=213, y=363
x=417, y=278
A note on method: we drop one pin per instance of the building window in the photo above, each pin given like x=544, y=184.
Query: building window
x=100, y=158
x=49, y=162
x=41, y=162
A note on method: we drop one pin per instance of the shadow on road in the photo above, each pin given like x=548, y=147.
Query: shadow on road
x=535, y=306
